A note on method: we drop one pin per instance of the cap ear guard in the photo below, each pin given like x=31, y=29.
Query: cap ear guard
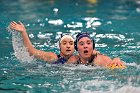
x=75, y=45
x=93, y=44
x=61, y=35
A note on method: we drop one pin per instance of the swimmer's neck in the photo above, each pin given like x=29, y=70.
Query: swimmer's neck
x=85, y=60
x=65, y=56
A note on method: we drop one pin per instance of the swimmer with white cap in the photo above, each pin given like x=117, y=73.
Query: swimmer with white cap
x=66, y=45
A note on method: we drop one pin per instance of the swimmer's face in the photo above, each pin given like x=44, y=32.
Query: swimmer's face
x=85, y=47
x=67, y=47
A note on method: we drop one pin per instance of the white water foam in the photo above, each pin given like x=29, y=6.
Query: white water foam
x=124, y=89
x=104, y=87
x=20, y=50
x=80, y=67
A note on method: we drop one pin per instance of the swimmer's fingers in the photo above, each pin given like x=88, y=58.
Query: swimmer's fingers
x=109, y=65
x=116, y=65
x=20, y=23
x=112, y=66
x=13, y=25
x=14, y=22
x=17, y=26
x=119, y=63
x=122, y=65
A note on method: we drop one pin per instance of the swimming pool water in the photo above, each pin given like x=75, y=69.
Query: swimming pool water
x=113, y=24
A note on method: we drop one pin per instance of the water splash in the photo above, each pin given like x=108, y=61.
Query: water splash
x=20, y=50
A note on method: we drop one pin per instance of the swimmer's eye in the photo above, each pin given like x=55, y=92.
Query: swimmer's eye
x=81, y=43
x=71, y=43
x=88, y=42
x=64, y=43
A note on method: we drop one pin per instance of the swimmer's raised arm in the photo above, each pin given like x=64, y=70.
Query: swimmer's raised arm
x=46, y=56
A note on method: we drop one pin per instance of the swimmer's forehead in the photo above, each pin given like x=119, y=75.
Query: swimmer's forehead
x=67, y=38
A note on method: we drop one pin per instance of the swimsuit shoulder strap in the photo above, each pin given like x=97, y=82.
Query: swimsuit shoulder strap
x=58, y=56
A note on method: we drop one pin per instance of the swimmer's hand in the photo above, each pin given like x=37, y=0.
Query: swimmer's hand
x=17, y=26
x=95, y=52
x=116, y=63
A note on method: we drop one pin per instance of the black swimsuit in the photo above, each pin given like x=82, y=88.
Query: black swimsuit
x=90, y=62
x=61, y=60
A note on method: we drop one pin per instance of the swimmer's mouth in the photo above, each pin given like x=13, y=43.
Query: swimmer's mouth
x=68, y=50
x=85, y=51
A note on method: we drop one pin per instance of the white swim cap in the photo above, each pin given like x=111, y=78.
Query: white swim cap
x=66, y=36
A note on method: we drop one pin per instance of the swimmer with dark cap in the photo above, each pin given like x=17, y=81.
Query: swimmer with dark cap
x=66, y=45
x=84, y=45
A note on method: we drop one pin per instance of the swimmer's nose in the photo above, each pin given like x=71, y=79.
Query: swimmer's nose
x=85, y=46
x=68, y=47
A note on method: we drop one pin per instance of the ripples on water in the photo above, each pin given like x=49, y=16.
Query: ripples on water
x=31, y=76
x=114, y=28
x=37, y=77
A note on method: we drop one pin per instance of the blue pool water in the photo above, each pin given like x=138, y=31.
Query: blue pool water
x=114, y=25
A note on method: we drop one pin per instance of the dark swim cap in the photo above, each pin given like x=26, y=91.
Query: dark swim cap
x=81, y=35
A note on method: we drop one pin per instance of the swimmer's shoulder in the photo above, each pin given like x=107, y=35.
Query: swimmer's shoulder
x=73, y=59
